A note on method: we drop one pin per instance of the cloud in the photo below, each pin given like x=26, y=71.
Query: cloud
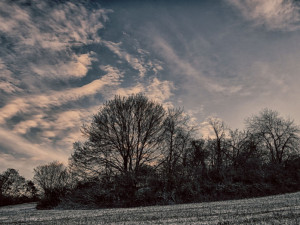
x=12, y=109
x=160, y=91
x=64, y=127
x=21, y=146
x=49, y=72
x=9, y=87
x=24, y=155
x=273, y=14
x=184, y=65
x=135, y=89
x=23, y=165
x=137, y=63
x=46, y=27
x=76, y=67
x=207, y=131
x=34, y=103
x=7, y=83
x=218, y=88
x=155, y=89
x=268, y=79
x=58, y=132
x=24, y=126
x=43, y=41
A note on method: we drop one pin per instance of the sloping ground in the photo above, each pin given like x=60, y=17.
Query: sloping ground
x=280, y=209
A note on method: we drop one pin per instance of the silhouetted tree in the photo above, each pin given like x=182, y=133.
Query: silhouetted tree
x=12, y=184
x=278, y=135
x=138, y=153
x=124, y=135
x=53, y=180
x=218, y=144
x=198, y=157
x=177, y=134
x=30, y=190
x=246, y=155
x=15, y=189
x=243, y=146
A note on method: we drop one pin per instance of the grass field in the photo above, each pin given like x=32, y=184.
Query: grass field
x=280, y=209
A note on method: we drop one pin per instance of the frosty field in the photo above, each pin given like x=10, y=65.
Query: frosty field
x=280, y=209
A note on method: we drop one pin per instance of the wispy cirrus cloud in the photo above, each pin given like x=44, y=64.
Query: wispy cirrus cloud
x=60, y=60
x=56, y=136
x=137, y=63
x=155, y=89
x=24, y=147
x=63, y=127
x=39, y=39
x=19, y=153
x=161, y=91
x=56, y=70
x=273, y=14
x=7, y=83
x=51, y=27
x=134, y=62
x=34, y=103
x=76, y=66
x=185, y=65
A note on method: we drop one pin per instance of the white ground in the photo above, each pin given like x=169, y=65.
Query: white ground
x=280, y=209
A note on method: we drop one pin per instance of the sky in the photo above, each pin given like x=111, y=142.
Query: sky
x=61, y=60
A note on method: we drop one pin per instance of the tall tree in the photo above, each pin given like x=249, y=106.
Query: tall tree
x=218, y=142
x=124, y=135
x=243, y=146
x=279, y=136
x=177, y=134
x=198, y=156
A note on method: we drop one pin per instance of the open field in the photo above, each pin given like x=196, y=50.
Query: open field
x=280, y=209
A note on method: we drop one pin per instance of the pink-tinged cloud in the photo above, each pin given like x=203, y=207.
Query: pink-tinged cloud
x=25, y=155
x=76, y=67
x=31, y=104
x=58, y=28
x=136, y=63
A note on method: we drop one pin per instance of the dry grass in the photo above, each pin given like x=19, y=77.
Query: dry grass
x=280, y=209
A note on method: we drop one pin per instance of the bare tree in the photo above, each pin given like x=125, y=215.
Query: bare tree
x=278, y=135
x=124, y=135
x=198, y=156
x=177, y=135
x=52, y=178
x=247, y=156
x=218, y=143
x=242, y=146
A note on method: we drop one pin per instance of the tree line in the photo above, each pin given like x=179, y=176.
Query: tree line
x=136, y=152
